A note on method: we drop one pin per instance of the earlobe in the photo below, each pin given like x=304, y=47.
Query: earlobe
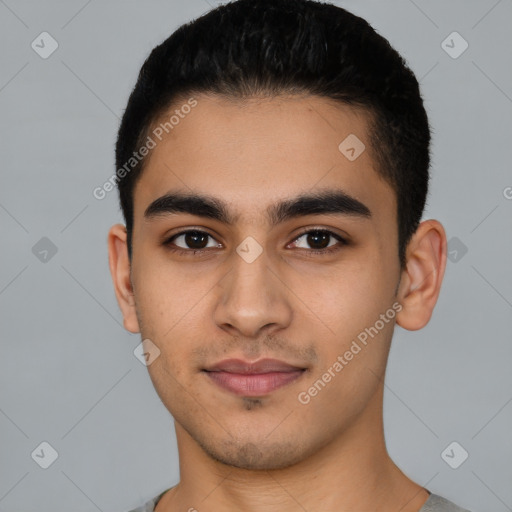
x=422, y=278
x=119, y=264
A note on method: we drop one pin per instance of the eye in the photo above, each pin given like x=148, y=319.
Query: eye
x=320, y=240
x=193, y=240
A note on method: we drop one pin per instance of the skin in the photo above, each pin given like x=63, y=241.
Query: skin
x=274, y=453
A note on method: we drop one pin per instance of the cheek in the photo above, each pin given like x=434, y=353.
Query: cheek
x=348, y=306
x=170, y=305
x=351, y=295
x=163, y=297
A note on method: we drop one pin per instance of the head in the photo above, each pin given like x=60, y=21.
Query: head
x=260, y=119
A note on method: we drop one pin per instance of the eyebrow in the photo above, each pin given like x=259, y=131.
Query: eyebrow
x=330, y=201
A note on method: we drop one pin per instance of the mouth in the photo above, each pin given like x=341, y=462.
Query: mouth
x=253, y=379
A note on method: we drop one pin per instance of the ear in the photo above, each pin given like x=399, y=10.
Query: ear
x=421, y=279
x=119, y=264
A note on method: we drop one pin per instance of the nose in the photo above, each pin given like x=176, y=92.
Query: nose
x=252, y=299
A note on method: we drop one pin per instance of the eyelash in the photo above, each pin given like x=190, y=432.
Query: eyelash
x=320, y=252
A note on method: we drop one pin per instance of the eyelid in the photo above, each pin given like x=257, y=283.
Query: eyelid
x=183, y=231
x=332, y=231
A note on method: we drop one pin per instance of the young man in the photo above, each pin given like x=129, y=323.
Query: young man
x=273, y=169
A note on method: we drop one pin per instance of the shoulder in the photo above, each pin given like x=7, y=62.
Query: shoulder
x=150, y=505
x=437, y=503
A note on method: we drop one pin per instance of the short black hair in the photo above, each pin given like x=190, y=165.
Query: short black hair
x=278, y=47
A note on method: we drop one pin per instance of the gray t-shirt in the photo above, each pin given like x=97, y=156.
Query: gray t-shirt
x=435, y=503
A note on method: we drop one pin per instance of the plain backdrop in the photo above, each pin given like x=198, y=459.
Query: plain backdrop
x=68, y=373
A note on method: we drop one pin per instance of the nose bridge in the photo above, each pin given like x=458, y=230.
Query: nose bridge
x=252, y=297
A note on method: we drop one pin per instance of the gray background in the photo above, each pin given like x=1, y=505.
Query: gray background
x=68, y=375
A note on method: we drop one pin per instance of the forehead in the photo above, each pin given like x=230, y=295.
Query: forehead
x=254, y=152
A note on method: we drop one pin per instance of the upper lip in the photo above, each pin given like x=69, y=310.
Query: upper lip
x=261, y=366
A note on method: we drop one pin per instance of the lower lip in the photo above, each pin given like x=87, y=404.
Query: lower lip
x=257, y=384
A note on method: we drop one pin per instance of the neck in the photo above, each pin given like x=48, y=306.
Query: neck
x=352, y=472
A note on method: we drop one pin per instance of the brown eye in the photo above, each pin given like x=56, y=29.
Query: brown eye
x=191, y=240
x=321, y=241
x=318, y=239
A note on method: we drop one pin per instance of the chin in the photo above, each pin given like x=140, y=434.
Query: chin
x=252, y=456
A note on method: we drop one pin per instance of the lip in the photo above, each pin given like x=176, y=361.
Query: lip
x=246, y=367
x=259, y=378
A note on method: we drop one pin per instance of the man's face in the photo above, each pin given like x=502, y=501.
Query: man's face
x=258, y=290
